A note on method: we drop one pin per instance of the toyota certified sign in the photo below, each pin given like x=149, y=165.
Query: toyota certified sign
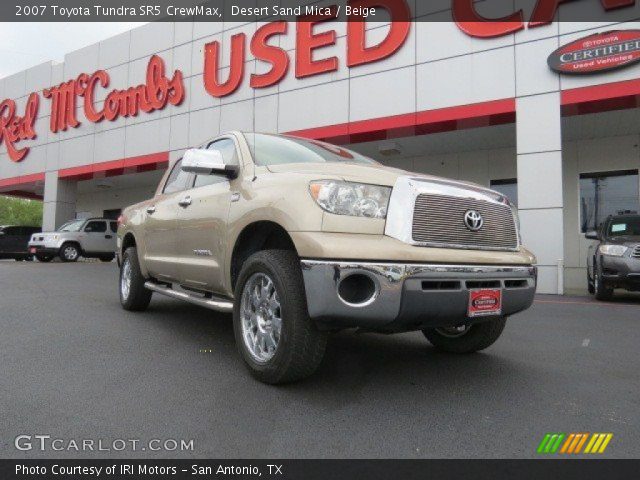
x=597, y=53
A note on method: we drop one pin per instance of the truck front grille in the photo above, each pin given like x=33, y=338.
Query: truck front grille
x=636, y=252
x=439, y=220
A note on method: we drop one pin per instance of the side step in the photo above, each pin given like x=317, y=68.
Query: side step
x=217, y=304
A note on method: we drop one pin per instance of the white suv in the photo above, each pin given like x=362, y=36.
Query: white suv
x=90, y=238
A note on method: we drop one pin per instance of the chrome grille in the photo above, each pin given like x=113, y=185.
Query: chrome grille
x=438, y=220
x=636, y=252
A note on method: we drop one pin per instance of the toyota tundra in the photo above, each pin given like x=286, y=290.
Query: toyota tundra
x=300, y=238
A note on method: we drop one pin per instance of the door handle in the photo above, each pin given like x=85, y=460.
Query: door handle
x=185, y=202
x=151, y=210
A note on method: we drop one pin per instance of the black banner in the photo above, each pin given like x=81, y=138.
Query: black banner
x=531, y=12
x=319, y=469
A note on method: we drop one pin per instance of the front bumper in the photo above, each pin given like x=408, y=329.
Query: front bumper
x=411, y=296
x=621, y=272
x=42, y=250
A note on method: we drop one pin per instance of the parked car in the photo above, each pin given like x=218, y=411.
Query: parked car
x=299, y=238
x=614, y=261
x=14, y=241
x=90, y=238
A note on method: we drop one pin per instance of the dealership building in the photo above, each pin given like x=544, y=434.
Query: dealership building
x=538, y=113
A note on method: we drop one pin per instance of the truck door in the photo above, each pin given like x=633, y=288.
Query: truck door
x=160, y=236
x=202, y=227
x=10, y=240
x=96, y=237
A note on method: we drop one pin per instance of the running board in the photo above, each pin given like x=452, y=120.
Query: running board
x=220, y=305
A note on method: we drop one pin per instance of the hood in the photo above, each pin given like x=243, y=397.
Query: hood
x=626, y=240
x=374, y=174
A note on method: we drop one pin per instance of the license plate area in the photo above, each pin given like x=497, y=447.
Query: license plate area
x=484, y=302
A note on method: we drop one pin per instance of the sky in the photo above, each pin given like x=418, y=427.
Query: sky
x=27, y=44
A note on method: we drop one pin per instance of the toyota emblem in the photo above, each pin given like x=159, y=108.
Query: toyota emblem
x=473, y=220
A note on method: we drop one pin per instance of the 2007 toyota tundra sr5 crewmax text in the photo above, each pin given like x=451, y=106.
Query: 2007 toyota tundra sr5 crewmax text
x=300, y=238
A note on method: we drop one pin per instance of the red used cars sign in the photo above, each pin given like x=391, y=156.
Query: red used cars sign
x=597, y=53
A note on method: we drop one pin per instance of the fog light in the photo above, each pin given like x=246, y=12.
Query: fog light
x=357, y=290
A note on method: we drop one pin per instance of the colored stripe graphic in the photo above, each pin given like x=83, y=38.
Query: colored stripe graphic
x=598, y=443
x=550, y=443
x=573, y=443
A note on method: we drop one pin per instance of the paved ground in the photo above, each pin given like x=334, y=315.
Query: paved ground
x=74, y=365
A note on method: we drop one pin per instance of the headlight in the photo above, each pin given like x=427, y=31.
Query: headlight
x=353, y=199
x=613, y=250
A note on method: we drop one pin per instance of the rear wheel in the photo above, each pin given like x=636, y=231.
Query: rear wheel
x=69, y=252
x=467, y=338
x=277, y=340
x=133, y=294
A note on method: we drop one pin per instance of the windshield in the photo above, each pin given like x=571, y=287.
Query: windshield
x=624, y=227
x=72, y=226
x=277, y=149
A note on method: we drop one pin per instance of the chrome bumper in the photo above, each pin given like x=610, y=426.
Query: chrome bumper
x=411, y=296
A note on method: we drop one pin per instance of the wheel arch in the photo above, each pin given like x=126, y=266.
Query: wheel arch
x=255, y=237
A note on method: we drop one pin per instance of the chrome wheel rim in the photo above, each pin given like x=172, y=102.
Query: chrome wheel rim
x=125, y=279
x=260, y=317
x=70, y=253
x=454, y=332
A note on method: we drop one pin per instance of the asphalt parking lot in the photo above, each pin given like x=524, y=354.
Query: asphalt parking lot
x=76, y=366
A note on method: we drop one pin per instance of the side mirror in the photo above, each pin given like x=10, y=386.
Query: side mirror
x=593, y=235
x=207, y=162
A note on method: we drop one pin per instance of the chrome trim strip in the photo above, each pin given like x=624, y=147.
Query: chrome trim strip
x=218, y=305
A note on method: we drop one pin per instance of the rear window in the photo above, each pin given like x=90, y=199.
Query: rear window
x=113, y=226
x=277, y=149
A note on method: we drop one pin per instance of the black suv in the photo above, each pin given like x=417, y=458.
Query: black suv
x=14, y=240
x=614, y=262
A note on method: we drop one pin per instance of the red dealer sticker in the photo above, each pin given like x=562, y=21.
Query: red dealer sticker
x=601, y=52
x=485, y=301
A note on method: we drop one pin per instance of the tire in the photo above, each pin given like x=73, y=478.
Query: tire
x=477, y=337
x=107, y=258
x=44, y=258
x=601, y=291
x=69, y=252
x=136, y=298
x=298, y=347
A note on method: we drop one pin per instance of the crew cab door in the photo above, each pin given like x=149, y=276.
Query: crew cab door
x=203, y=218
x=160, y=237
x=10, y=240
x=96, y=237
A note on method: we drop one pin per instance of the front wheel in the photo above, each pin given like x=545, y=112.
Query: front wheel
x=69, y=252
x=277, y=340
x=601, y=290
x=133, y=294
x=467, y=338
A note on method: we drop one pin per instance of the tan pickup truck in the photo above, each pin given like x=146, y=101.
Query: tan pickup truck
x=300, y=238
